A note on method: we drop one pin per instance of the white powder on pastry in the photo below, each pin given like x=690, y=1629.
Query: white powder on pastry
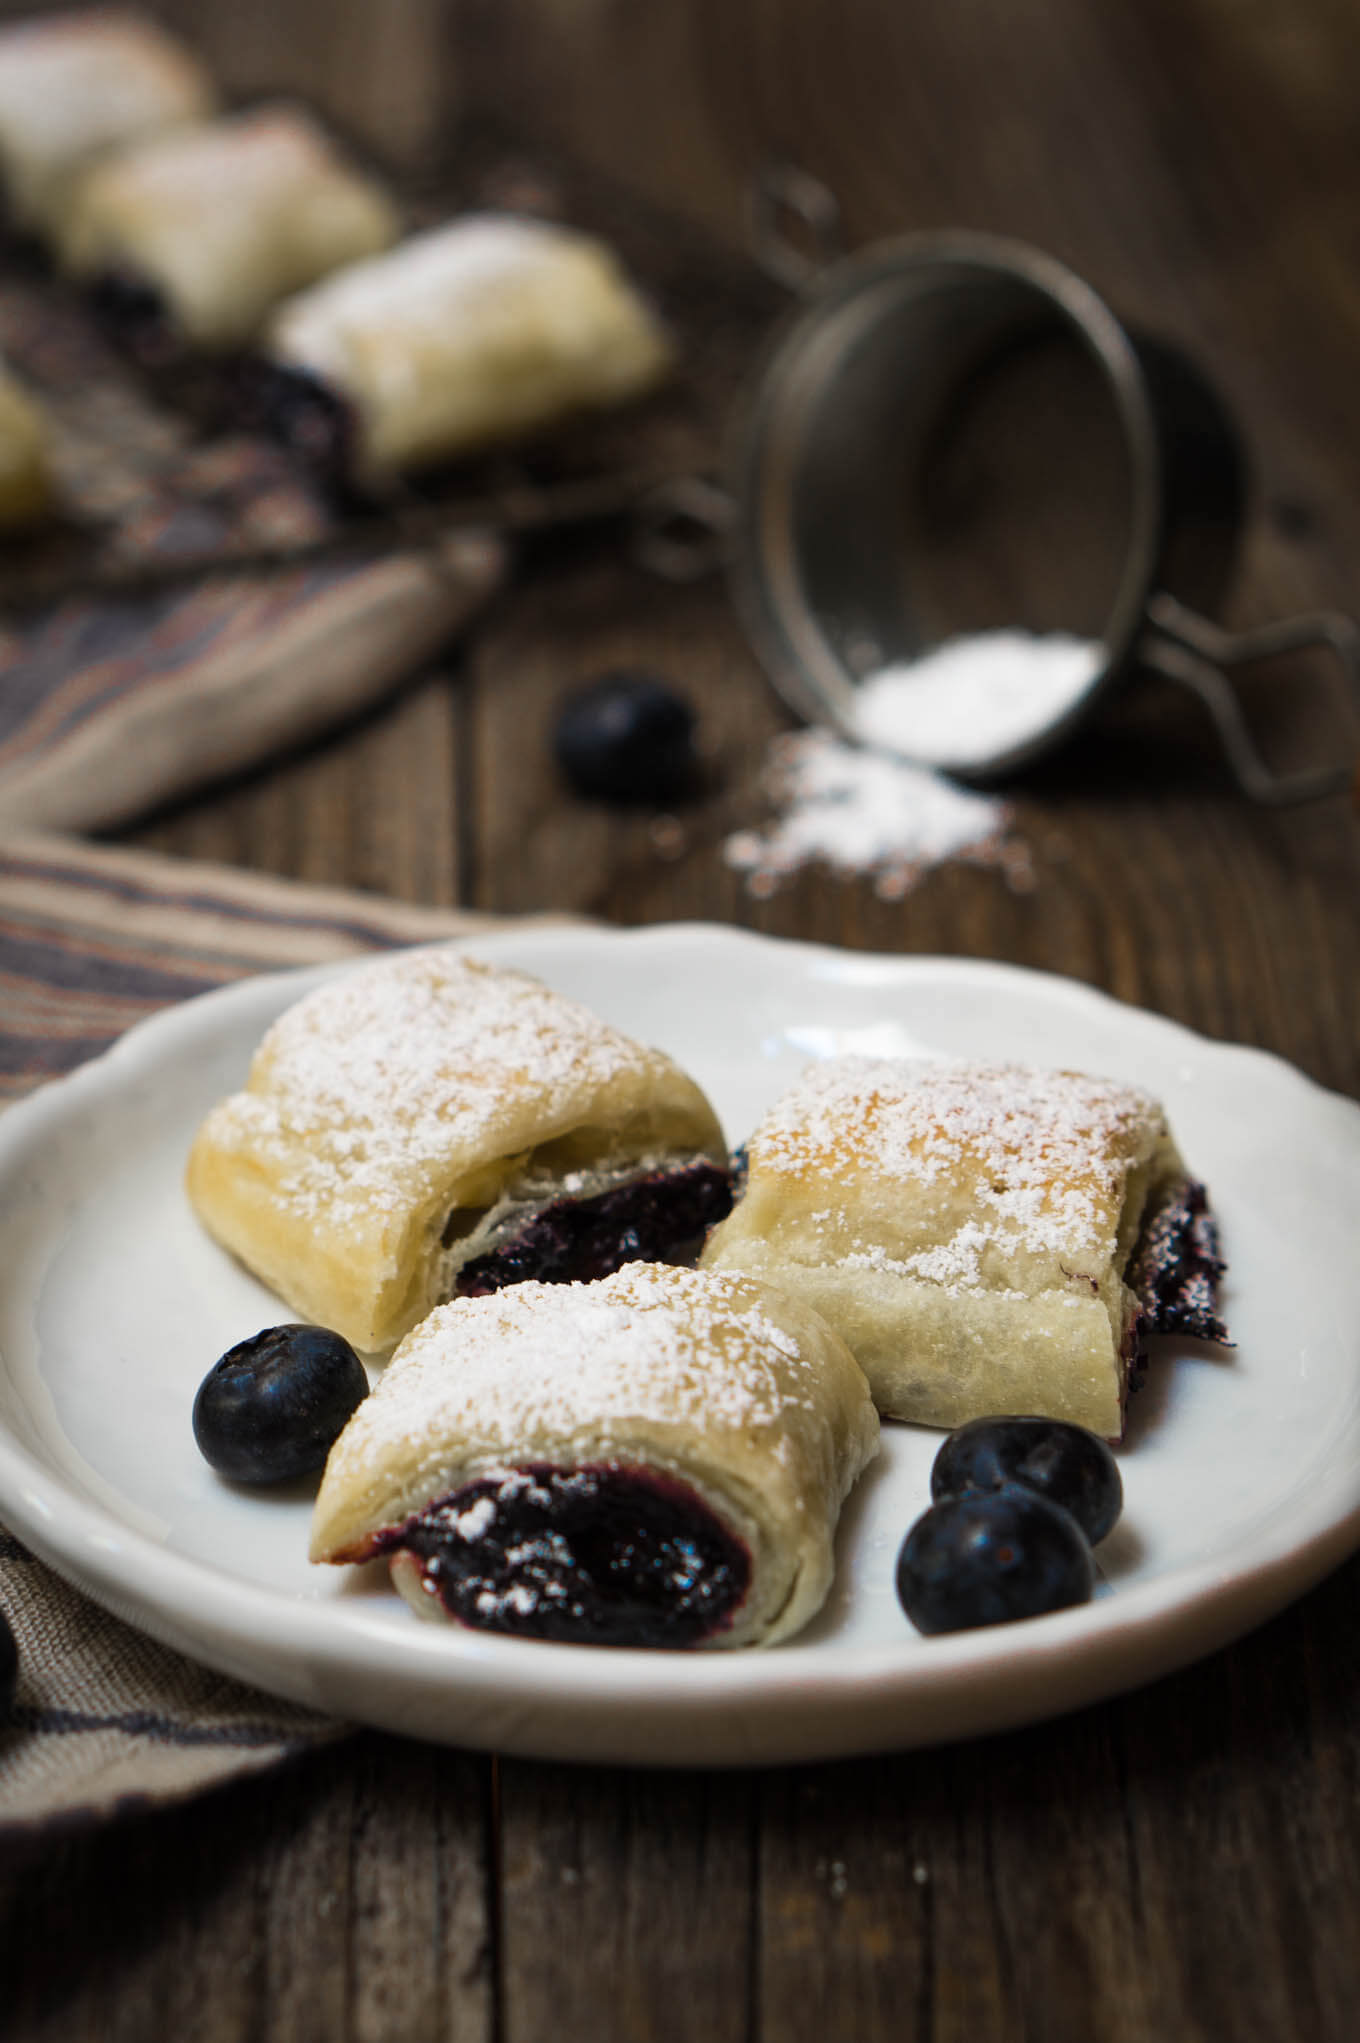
x=865, y=812
x=480, y=330
x=1046, y=1149
x=375, y=1068
x=541, y=1362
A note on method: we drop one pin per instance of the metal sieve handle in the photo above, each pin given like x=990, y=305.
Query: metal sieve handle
x=794, y=225
x=1190, y=649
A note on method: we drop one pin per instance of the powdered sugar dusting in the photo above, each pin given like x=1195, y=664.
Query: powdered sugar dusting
x=541, y=1362
x=385, y=1070
x=1042, y=1154
x=861, y=811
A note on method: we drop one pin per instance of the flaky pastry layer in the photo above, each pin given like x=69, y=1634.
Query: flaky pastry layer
x=421, y=1087
x=26, y=487
x=712, y=1382
x=965, y=1227
x=225, y=218
x=469, y=335
x=75, y=85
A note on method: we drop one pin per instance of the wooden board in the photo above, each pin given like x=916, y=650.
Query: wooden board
x=1181, y=1865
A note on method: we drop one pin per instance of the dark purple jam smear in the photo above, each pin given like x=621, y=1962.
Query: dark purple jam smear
x=1175, y=1269
x=134, y=315
x=304, y=414
x=576, y=1240
x=601, y=1556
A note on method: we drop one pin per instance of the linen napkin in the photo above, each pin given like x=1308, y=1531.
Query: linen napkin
x=108, y=708
x=90, y=941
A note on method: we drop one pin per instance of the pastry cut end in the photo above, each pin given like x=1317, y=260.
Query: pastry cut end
x=986, y=1238
x=427, y=1124
x=655, y=1460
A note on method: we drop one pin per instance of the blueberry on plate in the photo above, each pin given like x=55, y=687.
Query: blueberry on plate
x=273, y=1406
x=627, y=738
x=9, y=1665
x=990, y=1557
x=1064, y=1463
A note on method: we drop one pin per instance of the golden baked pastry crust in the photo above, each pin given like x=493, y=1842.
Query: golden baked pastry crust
x=965, y=1227
x=75, y=85
x=225, y=218
x=468, y=335
x=712, y=1382
x=403, y=1091
x=26, y=489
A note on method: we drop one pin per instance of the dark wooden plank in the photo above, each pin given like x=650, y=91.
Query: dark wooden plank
x=625, y=1904
x=375, y=806
x=346, y=1897
x=418, y=1917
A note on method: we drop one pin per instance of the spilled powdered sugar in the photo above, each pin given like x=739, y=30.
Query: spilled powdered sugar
x=883, y=807
x=861, y=811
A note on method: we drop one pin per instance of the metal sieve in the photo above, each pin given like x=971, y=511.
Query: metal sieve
x=903, y=474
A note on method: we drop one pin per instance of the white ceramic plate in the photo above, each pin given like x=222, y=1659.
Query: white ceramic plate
x=1241, y=1471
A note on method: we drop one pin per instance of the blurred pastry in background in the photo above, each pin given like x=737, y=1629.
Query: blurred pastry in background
x=26, y=492
x=483, y=331
x=190, y=238
x=75, y=85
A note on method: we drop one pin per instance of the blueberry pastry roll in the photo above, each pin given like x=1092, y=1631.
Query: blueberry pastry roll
x=471, y=334
x=26, y=490
x=658, y=1459
x=987, y=1238
x=428, y=1125
x=190, y=238
x=75, y=85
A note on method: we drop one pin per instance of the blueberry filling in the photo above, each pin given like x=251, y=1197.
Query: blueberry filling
x=1175, y=1269
x=134, y=314
x=304, y=414
x=604, y=1556
x=649, y=1218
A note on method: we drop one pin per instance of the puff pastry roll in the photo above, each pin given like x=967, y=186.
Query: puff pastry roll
x=472, y=334
x=658, y=1459
x=193, y=236
x=26, y=490
x=74, y=85
x=987, y=1238
x=429, y=1125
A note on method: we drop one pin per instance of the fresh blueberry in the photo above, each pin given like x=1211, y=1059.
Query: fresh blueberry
x=627, y=738
x=274, y=1406
x=9, y=1665
x=1064, y=1463
x=990, y=1557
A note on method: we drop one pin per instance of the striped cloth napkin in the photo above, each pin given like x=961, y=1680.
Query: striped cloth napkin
x=90, y=941
x=110, y=706
x=195, y=604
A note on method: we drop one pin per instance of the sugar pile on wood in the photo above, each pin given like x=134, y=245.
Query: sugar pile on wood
x=861, y=811
x=881, y=808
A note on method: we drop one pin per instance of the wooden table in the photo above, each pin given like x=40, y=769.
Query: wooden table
x=1180, y=1865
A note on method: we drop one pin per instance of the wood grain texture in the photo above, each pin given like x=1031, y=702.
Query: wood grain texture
x=1181, y=1865
x=384, y=71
